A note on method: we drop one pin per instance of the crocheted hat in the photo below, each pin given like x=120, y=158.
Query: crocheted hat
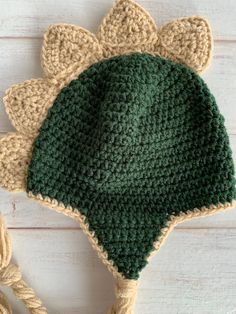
x=122, y=135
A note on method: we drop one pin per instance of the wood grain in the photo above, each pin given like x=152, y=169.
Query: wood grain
x=31, y=18
x=193, y=273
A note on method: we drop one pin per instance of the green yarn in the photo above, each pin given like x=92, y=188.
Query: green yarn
x=133, y=140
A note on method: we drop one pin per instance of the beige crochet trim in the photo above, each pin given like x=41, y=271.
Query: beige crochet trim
x=194, y=36
x=15, y=155
x=183, y=217
x=102, y=254
x=77, y=216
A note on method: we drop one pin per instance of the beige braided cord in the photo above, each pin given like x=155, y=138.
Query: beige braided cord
x=5, y=307
x=126, y=290
x=11, y=276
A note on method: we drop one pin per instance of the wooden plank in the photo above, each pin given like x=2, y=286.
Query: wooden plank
x=32, y=18
x=22, y=212
x=22, y=61
x=221, y=79
x=194, y=272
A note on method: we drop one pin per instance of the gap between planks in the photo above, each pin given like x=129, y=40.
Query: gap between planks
x=178, y=227
x=218, y=40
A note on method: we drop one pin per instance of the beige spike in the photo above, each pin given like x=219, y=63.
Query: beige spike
x=27, y=104
x=188, y=41
x=15, y=154
x=127, y=28
x=66, y=46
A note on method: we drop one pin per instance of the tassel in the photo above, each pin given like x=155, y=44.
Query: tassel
x=126, y=290
x=11, y=276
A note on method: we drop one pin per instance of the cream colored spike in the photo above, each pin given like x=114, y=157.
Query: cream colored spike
x=15, y=154
x=127, y=28
x=188, y=41
x=27, y=104
x=67, y=45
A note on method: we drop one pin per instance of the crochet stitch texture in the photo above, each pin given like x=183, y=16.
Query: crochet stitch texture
x=120, y=138
x=132, y=141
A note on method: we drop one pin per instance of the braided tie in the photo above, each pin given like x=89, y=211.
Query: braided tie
x=4, y=305
x=125, y=296
x=11, y=276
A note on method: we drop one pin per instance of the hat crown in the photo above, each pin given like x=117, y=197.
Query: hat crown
x=132, y=141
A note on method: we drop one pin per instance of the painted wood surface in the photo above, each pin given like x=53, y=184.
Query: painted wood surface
x=29, y=18
x=195, y=272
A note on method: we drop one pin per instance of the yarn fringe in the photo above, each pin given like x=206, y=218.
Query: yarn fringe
x=11, y=276
x=125, y=296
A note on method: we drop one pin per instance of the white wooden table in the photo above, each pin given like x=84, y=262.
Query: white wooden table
x=195, y=272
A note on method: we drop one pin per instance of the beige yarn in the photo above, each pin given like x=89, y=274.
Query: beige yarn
x=125, y=296
x=65, y=45
x=5, y=307
x=127, y=28
x=77, y=216
x=183, y=217
x=27, y=104
x=186, y=40
x=11, y=276
x=15, y=154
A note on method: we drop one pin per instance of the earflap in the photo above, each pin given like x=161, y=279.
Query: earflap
x=188, y=41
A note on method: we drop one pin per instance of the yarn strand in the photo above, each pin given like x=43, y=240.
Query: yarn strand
x=5, y=307
x=10, y=275
x=125, y=297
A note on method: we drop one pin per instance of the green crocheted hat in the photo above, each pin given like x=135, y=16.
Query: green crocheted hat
x=122, y=135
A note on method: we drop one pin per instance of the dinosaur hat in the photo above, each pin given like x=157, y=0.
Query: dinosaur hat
x=122, y=135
